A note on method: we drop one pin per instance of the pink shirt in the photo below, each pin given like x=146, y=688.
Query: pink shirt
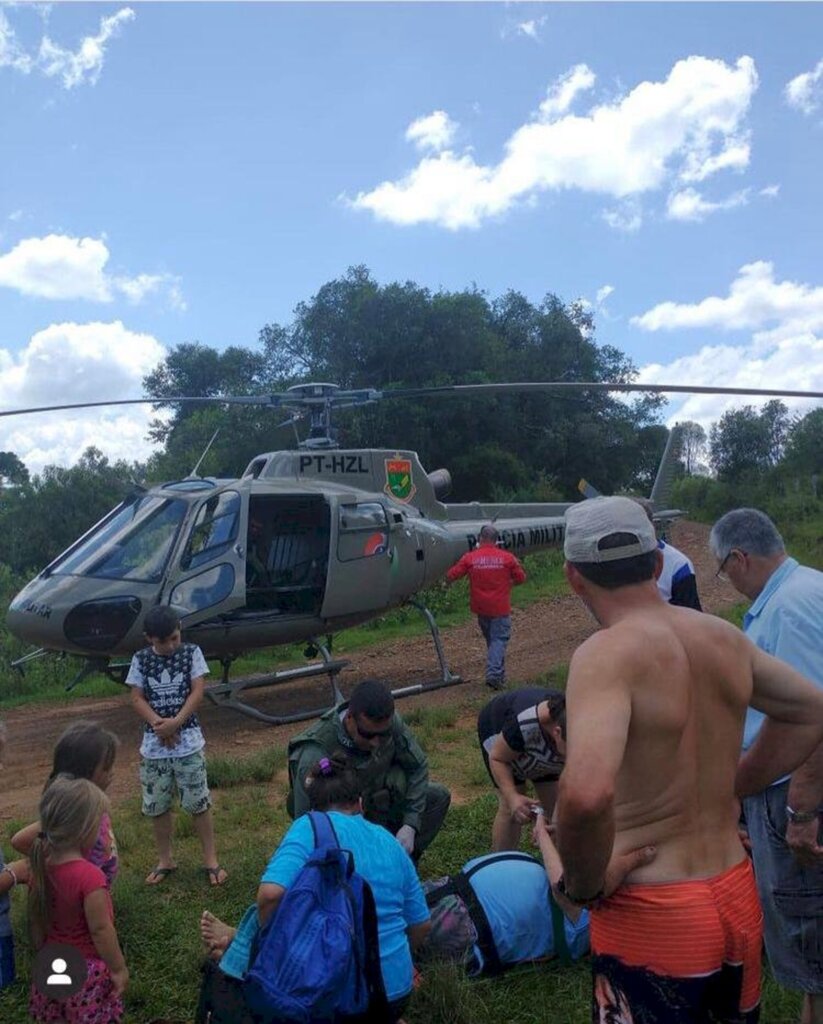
x=68, y=886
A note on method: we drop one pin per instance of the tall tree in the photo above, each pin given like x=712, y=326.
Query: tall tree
x=12, y=469
x=747, y=441
x=693, y=446
x=804, y=446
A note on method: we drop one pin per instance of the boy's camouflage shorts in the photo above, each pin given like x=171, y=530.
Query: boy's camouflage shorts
x=160, y=775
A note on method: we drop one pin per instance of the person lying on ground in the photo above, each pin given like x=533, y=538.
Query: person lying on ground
x=499, y=910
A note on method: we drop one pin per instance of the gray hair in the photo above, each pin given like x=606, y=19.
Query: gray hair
x=488, y=532
x=748, y=529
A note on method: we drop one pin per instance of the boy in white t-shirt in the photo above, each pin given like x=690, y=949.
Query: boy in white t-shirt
x=167, y=681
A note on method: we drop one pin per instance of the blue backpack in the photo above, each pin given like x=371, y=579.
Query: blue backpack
x=317, y=959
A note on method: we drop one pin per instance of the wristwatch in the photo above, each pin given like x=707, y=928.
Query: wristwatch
x=801, y=817
x=580, y=901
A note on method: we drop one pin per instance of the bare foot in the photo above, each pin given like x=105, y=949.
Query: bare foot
x=216, y=934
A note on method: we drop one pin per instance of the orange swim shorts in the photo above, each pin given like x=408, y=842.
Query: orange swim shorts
x=679, y=952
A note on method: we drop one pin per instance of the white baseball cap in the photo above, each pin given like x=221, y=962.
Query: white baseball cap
x=589, y=522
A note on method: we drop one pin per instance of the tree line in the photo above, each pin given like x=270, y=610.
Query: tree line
x=357, y=333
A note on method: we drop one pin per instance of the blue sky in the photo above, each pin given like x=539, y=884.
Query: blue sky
x=177, y=172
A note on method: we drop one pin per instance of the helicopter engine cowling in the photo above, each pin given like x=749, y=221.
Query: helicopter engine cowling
x=441, y=481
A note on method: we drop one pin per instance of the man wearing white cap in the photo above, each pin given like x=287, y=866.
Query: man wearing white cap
x=655, y=706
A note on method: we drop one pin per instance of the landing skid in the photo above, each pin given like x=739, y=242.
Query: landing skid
x=227, y=694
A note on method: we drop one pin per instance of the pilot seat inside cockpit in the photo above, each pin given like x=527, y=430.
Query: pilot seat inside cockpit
x=287, y=553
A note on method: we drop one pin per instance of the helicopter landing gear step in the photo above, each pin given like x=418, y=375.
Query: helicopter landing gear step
x=227, y=694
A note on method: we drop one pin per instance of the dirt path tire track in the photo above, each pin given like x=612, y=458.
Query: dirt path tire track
x=543, y=635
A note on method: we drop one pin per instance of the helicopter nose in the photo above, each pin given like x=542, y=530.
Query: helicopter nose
x=30, y=620
x=48, y=613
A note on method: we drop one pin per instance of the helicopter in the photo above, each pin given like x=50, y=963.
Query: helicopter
x=303, y=544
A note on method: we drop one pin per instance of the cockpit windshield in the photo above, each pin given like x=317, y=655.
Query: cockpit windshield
x=134, y=543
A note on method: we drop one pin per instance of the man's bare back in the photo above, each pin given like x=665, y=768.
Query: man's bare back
x=685, y=679
x=655, y=706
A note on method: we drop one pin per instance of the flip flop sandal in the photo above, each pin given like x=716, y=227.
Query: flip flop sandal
x=159, y=875
x=213, y=875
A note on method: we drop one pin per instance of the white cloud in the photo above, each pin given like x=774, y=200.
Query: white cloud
x=689, y=204
x=784, y=352
x=86, y=63
x=770, y=191
x=12, y=54
x=434, y=131
x=755, y=300
x=562, y=93
x=689, y=125
x=531, y=27
x=71, y=362
x=627, y=216
x=603, y=293
x=62, y=267
x=73, y=67
x=16, y=215
x=795, y=364
x=805, y=92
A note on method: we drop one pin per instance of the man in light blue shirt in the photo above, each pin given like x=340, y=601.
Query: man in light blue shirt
x=785, y=620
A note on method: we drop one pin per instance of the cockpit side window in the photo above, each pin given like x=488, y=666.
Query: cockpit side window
x=214, y=530
x=132, y=544
x=363, y=531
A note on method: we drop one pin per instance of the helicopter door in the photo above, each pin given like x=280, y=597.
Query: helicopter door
x=210, y=578
x=361, y=559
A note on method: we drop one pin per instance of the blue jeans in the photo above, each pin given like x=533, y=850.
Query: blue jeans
x=791, y=895
x=496, y=632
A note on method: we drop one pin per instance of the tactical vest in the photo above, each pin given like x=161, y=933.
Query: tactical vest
x=372, y=768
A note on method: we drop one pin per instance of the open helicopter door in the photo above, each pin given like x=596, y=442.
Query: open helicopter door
x=360, y=559
x=209, y=575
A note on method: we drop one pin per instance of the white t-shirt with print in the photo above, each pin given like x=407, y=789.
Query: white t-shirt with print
x=166, y=684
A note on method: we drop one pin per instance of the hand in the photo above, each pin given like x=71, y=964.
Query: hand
x=521, y=808
x=743, y=833
x=406, y=836
x=802, y=841
x=120, y=979
x=622, y=864
x=541, y=828
x=167, y=730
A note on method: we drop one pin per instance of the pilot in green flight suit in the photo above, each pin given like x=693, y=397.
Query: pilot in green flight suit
x=366, y=732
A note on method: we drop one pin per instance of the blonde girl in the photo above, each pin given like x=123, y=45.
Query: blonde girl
x=69, y=903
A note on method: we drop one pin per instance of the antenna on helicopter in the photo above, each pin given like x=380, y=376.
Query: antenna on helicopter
x=205, y=453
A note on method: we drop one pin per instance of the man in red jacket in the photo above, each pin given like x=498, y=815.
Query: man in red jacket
x=492, y=573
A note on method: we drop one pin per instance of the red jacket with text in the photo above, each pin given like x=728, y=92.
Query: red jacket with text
x=492, y=573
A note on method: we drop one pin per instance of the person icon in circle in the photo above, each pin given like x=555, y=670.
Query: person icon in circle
x=58, y=975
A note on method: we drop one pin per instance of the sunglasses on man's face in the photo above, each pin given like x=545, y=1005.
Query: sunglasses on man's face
x=371, y=734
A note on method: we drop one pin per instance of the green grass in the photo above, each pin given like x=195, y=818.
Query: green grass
x=158, y=927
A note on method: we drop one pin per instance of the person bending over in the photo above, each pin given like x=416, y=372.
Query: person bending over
x=522, y=737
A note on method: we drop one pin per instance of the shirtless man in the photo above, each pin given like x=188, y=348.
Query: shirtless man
x=655, y=705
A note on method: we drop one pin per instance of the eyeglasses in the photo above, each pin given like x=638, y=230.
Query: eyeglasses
x=720, y=574
x=371, y=734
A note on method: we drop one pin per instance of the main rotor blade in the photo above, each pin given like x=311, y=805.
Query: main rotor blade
x=274, y=401
x=566, y=385
x=366, y=396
